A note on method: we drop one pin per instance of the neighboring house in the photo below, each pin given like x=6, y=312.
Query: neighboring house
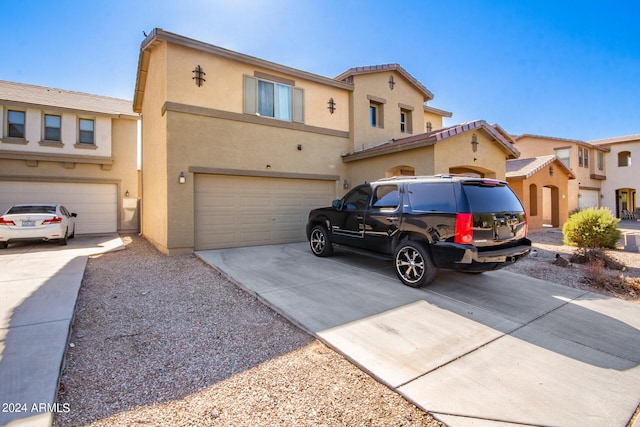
x=622, y=161
x=585, y=161
x=236, y=150
x=72, y=148
x=542, y=184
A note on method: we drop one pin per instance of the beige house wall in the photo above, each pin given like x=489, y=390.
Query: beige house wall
x=523, y=187
x=374, y=87
x=535, y=146
x=455, y=155
x=155, y=180
x=202, y=129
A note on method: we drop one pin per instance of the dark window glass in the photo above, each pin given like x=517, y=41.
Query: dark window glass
x=491, y=198
x=358, y=198
x=436, y=197
x=86, y=131
x=15, y=122
x=373, y=116
x=51, y=128
x=386, y=196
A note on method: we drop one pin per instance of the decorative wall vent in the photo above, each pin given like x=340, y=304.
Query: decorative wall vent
x=199, y=76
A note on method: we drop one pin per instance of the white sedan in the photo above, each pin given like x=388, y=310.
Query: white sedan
x=37, y=222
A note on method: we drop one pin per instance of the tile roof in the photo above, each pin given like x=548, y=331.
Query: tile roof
x=525, y=168
x=433, y=137
x=41, y=96
x=616, y=140
x=387, y=67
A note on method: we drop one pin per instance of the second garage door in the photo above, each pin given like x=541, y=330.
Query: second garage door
x=95, y=204
x=234, y=211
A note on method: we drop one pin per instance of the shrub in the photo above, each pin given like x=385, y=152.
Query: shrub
x=592, y=228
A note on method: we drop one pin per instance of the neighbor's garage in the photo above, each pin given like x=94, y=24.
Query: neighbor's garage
x=95, y=204
x=234, y=211
x=588, y=199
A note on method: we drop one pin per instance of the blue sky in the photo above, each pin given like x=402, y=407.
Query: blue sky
x=567, y=69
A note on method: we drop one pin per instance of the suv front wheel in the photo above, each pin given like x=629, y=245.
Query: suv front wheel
x=320, y=242
x=413, y=264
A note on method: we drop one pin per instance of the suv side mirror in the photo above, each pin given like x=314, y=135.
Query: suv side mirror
x=337, y=204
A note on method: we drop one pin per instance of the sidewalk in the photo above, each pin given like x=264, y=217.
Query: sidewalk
x=39, y=288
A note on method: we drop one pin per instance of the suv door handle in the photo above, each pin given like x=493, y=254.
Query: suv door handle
x=392, y=218
x=359, y=217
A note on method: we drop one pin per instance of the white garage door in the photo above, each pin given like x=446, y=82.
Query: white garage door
x=588, y=199
x=233, y=211
x=95, y=204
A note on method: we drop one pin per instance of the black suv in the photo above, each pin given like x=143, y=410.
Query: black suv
x=427, y=222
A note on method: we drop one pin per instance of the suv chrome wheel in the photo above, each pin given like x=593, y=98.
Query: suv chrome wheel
x=319, y=241
x=413, y=264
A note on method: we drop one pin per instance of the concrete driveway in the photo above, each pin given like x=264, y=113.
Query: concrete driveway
x=39, y=287
x=494, y=349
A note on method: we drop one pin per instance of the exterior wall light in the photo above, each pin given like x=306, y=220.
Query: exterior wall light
x=182, y=179
x=345, y=184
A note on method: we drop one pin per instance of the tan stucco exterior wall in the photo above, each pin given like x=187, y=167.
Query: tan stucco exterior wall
x=535, y=146
x=558, y=182
x=154, y=178
x=189, y=128
x=374, y=87
x=455, y=155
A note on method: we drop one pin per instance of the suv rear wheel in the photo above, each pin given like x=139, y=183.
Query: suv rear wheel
x=413, y=264
x=319, y=241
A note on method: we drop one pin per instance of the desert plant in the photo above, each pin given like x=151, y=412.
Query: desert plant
x=592, y=228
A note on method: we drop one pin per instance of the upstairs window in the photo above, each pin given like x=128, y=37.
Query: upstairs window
x=624, y=159
x=86, y=131
x=600, y=161
x=405, y=121
x=52, y=126
x=373, y=115
x=563, y=155
x=15, y=124
x=273, y=98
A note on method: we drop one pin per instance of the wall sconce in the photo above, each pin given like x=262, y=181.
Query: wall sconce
x=550, y=170
x=332, y=105
x=268, y=167
x=126, y=193
x=345, y=184
x=299, y=147
x=474, y=142
x=182, y=178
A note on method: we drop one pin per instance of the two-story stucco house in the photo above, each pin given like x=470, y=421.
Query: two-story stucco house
x=622, y=162
x=584, y=160
x=236, y=150
x=77, y=149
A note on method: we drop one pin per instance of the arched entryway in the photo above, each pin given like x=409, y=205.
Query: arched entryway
x=402, y=170
x=626, y=202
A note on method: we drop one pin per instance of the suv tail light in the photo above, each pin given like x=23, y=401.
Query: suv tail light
x=6, y=221
x=54, y=220
x=464, y=228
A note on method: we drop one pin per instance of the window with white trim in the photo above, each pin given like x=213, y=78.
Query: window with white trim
x=52, y=126
x=86, y=131
x=15, y=124
x=271, y=98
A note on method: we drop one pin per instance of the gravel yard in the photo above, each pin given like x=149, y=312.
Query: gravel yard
x=169, y=341
x=165, y=341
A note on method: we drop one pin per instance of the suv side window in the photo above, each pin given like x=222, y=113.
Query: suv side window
x=357, y=199
x=434, y=197
x=386, y=197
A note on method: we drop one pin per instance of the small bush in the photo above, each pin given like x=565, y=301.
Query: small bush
x=592, y=228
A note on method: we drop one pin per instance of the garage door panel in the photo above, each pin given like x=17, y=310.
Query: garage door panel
x=95, y=204
x=232, y=211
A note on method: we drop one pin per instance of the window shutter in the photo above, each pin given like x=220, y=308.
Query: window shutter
x=298, y=105
x=250, y=95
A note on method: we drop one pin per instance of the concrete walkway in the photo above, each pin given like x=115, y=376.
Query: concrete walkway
x=494, y=349
x=40, y=284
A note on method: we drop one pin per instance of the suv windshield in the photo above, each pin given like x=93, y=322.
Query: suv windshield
x=491, y=198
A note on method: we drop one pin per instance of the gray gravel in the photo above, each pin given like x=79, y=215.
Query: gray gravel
x=166, y=341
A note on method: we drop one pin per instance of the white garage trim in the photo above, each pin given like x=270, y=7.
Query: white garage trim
x=95, y=203
x=235, y=211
